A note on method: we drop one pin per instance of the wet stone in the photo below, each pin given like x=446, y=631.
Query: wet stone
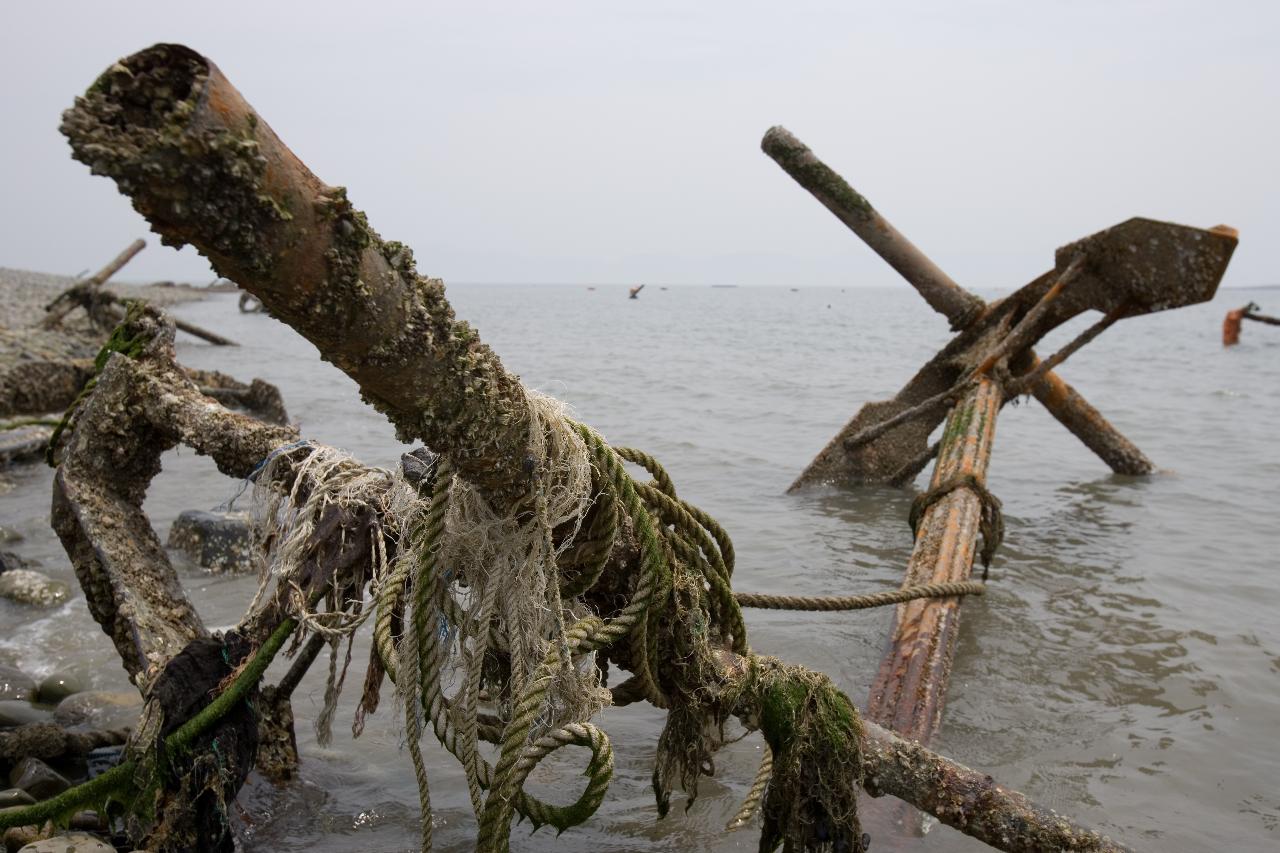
x=15, y=797
x=10, y=561
x=17, y=837
x=72, y=842
x=87, y=820
x=16, y=684
x=27, y=587
x=17, y=712
x=99, y=709
x=218, y=541
x=37, y=779
x=23, y=444
x=58, y=686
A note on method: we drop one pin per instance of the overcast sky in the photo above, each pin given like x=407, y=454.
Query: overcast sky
x=601, y=142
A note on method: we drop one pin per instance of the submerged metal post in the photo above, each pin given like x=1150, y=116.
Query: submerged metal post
x=911, y=685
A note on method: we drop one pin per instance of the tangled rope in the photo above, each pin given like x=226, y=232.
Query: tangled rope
x=513, y=609
x=990, y=520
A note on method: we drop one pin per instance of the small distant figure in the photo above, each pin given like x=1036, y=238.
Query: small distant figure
x=635, y=291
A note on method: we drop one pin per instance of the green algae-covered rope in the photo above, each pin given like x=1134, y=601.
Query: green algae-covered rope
x=119, y=779
x=431, y=656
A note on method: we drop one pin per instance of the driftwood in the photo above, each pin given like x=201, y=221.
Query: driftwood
x=104, y=308
x=206, y=170
x=83, y=292
x=897, y=455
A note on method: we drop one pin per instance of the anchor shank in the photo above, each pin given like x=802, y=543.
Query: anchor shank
x=911, y=685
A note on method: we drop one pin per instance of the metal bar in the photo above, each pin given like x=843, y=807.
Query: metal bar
x=850, y=207
x=967, y=800
x=910, y=687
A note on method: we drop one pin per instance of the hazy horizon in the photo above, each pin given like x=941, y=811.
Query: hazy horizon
x=587, y=144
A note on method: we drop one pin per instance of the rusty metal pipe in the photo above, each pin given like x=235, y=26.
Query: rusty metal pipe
x=850, y=207
x=911, y=685
x=205, y=169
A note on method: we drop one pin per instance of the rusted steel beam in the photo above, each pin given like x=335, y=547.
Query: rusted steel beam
x=1089, y=425
x=910, y=687
x=944, y=295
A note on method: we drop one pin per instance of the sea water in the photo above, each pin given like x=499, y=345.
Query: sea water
x=1124, y=667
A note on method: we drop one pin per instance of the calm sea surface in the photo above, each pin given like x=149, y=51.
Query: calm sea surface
x=1124, y=668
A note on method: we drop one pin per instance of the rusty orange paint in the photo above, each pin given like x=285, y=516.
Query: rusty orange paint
x=1231, y=327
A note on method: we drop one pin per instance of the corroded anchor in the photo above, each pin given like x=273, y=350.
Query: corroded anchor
x=1137, y=267
x=1133, y=268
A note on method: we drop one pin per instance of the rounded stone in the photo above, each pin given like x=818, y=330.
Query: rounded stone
x=72, y=842
x=10, y=561
x=15, y=797
x=16, y=684
x=99, y=709
x=61, y=684
x=17, y=712
x=217, y=541
x=87, y=820
x=27, y=587
x=17, y=837
x=37, y=779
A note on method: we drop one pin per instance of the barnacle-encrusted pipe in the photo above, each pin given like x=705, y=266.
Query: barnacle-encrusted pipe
x=205, y=170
